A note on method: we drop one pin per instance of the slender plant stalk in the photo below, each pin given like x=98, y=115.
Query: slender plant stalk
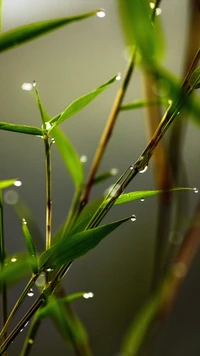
x=47, y=143
x=2, y=260
x=107, y=132
x=35, y=324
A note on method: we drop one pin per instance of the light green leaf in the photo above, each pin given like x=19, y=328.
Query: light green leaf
x=195, y=78
x=30, y=130
x=69, y=155
x=44, y=114
x=30, y=247
x=125, y=198
x=7, y=183
x=137, y=104
x=72, y=247
x=28, y=32
x=139, y=29
x=80, y=103
x=16, y=268
x=137, y=331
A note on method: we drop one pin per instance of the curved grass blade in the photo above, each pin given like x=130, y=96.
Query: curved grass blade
x=72, y=247
x=137, y=104
x=125, y=198
x=30, y=130
x=30, y=247
x=7, y=183
x=69, y=155
x=23, y=34
x=15, y=270
x=44, y=114
x=80, y=103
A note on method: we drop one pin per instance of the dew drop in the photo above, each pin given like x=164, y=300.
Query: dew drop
x=21, y=330
x=18, y=183
x=24, y=221
x=142, y=199
x=27, y=86
x=119, y=76
x=13, y=259
x=47, y=125
x=158, y=11
x=114, y=171
x=30, y=341
x=30, y=293
x=34, y=83
x=26, y=324
x=152, y=5
x=143, y=170
x=131, y=168
x=133, y=218
x=41, y=280
x=11, y=197
x=53, y=141
x=83, y=159
x=101, y=13
x=88, y=295
x=49, y=269
x=196, y=190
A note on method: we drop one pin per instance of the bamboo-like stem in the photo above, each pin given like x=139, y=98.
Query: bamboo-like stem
x=35, y=324
x=47, y=143
x=2, y=260
x=107, y=132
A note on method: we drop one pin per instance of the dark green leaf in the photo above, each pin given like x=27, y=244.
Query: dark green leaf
x=30, y=247
x=137, y=104
x=72, y=247
x=16, y=268
x=30, y=130
x=137, y=331
x=195, y=78
x=80, y=103
x=7, y=183
x=139, y=29
x=69, y=155
x=26, y=33
x=125, y=198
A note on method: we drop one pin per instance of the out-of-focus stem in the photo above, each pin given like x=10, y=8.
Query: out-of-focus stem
x=47, y=143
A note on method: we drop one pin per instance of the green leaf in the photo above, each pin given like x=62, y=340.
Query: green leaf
x=44, y=114
x=30, y=247
x=28, y=32
x=195, y=78
x=137, y=104
x=125, y=198
x=139, y=29
x=68, y=325
x=80, y=103
x=72, y=247
x=137, y=331
x=69, y=155
x=16, y=268
x=30, y=130
x=7, y=183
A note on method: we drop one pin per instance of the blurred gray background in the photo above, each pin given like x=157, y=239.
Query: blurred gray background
x=67, y=64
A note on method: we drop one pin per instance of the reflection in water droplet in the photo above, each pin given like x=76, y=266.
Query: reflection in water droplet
x=196, y=190
x=11, y=197
x=18, y=183
x=41, y=280
x=101, y=13
x=175, y=237
x=88, y=295
x=143, y=170
x=30, y=341
x=13, y=259
x=119, y=76
x=114, y=171
x=27, y=86
x=133, y=218
x=83, y=159
x=142, y=199
x=30, y=293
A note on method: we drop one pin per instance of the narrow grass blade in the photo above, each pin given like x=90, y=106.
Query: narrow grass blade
x=137, y=104
x=80, y=103
x=7, y=183
x=30, y=247
x=30, y=130
x=69, y=155
x=137, y=331
x=44, y=114
x=125, y=198
x=72, y=247
x=15, y=270
x=23, y=34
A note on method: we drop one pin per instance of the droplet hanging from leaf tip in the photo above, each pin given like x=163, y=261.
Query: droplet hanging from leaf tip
x=196, y=190
x=18, y=183
x=30, y=293
x=27, y=86
x=101, y=13
x=133, y=218
x=88, y=295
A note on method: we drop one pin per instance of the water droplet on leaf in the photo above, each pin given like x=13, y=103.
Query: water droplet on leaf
x=18, y=183
x=119, y=77
x=83, y=159
x=142, y=199
x=88, y=295
x=27, y=86
x=143, y=169
x=101, y=13
x=11, y=197
x=30, y=293
x=196, y=190
x=13, y=259
x=41, y=280
x=133, y=218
